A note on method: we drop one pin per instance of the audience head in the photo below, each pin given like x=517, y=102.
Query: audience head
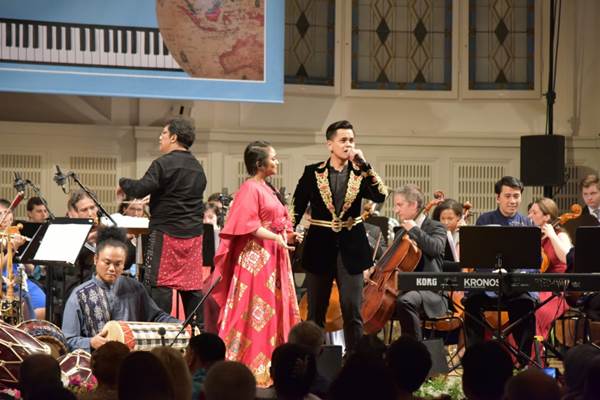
x=36, y=210
x=370, y=346
x=106, y=362
x=508, y=195
x=177, y=369
x=591, y=387
x=362, y=378
x=39, y=373
x=308, y=334
x=448, y=212
x=229, y=380
x=81, y=205
x=577, y=364
x=204, y=350
x=531, y=384
x=486, y=368
x=409, y=362
x=293, y=369
x=143, y=377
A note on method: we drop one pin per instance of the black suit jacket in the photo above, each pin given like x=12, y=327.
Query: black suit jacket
x=321, y=244
x=431, y=240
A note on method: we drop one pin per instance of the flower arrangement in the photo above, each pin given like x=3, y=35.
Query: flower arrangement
x=77, y=386
x=14, y=393
x=442, y=385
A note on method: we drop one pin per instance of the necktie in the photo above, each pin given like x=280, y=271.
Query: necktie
x=597, y=213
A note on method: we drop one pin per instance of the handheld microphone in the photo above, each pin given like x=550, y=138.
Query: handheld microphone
x=358, y=160
x=60, y=179
x=19, y=183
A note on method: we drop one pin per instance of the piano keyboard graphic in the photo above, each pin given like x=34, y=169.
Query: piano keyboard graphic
x=84, y=45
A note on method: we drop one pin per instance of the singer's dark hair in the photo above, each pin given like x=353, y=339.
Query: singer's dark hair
x=34, y=201
x=111, y=236
x=255, y=156
x=184, y=130
x=332, y=129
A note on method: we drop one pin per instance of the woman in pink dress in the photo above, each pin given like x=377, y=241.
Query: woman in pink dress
x=256, y=295
x=555, y=245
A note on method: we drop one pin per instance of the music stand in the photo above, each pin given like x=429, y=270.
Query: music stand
x=586, y=250
x=56, y=243
x=502, y=248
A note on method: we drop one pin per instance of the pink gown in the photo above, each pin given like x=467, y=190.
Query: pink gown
x=256, y=296
x=545, y=316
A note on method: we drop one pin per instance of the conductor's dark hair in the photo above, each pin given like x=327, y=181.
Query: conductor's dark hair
x=184, y=129
x=509, y=181
x=332, y=129
x=111, y=236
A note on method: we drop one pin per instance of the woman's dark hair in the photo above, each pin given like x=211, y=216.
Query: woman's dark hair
x=111, y=236
x=143, y=376
x=448, y=204
x=255, y=156
x=184, y=130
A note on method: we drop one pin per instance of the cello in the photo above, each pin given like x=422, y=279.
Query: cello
x=381, y=290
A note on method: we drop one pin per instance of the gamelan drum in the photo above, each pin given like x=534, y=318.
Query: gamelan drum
x=47, y=332
x=15, y=346
x=76, y=365
x=144, y=335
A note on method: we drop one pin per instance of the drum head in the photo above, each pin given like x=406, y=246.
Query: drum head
x=47, y=332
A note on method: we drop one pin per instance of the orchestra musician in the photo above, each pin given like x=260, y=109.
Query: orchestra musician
x=555, y=245
x=508, y=197
x=590, y=215
x=336, y=245
x=175, y=182
x=430, y=237
x=108, y=295
x=450, y=213
x=36, y=210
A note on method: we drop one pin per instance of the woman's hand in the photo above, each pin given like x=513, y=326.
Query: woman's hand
x=295, y=237
x=283, y=243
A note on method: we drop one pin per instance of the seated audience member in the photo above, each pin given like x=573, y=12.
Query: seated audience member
x=370, y=346
x=202, y=352
x=486, y=368
x=229, y=380
x=408, y=375
x=106, y=362
x=144, y=377
x=531, y=384
x=577, y=365
x=40, y=378
x=177, y=369
x=312, y=336
x=362, y=378
x=591, y=387
x=293, y=369
x=111, y=296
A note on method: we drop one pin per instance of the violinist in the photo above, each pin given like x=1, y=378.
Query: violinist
x=508, y=197
x=430, y=238
x=555, y=246
x=450, y=213
x=336, y=245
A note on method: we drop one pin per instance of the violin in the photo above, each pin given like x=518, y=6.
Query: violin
x=381, y=290
x=576, y=211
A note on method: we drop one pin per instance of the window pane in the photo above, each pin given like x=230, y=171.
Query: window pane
x=501, y=44
x=402, y=44
x=309, y=42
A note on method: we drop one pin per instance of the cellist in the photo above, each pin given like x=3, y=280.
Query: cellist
x=430, y=237
x=555, y=245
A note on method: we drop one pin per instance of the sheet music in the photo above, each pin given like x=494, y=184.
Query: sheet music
x=125, y=221
x=62, y=242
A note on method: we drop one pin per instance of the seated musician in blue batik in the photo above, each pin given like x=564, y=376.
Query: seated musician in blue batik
x=107, y=296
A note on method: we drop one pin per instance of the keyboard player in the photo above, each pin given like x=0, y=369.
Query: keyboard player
x=508, y=197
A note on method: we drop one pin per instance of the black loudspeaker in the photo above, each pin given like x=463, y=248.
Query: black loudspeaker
x=543, y=160
x=436, y=349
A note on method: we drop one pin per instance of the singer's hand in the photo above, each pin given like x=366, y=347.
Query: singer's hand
x=357, y=157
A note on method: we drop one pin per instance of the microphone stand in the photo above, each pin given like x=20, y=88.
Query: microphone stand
x=188, y=320
x=38, y=193
x=91, y=195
